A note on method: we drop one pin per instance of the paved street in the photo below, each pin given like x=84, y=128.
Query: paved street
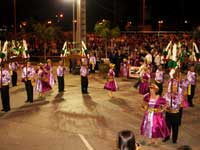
x=72, y=121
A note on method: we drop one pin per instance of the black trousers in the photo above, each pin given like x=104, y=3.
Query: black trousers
x=137, y=83
x=29, y=90
x=14, y=78
x=5, y=97
x=172, y=120
x=60, y=83
x=190, y=97
x=84, y=84
x=160, y=86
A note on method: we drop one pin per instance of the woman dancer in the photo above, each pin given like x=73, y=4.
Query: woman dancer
x=111, y=84
x=42, y=84
x=153, y=125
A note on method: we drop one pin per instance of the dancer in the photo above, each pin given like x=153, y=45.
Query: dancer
x=84, y=71
x=111, y=84
x=191, y=77
x=60, y=75
x=153, y=125
x=145, y=80
x=174, y=100
x=5, y=96
x=159, y=79
x=92, y=61
x=49, y=69
x=13, y=66
x=42, y=84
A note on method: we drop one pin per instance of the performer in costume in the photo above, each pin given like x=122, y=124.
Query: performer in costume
x=145, y=80
x=191, y=77
x=92, y=61
x=49, y=69
x=124, y=68
x=111, y=84
x=174, y=100
x=153, y=125
x=60, y=75
x=140, y=72
x=42, y=83
x=28, y=73
x=13, y=66
x=4, y=82
x=159, y=79
x=84, y=72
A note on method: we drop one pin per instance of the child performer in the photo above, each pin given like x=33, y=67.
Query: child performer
x=111, y=84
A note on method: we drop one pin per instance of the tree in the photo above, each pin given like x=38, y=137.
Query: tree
x=104, y=30
x=46, y=33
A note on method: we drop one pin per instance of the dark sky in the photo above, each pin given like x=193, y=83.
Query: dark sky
x=172, y=11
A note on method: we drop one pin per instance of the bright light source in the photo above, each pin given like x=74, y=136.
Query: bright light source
x=185, y=21
x=49, y=22
x=61, y=15
x=160, y=21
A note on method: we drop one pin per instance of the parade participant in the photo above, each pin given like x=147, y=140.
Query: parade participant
x=92, y=61
x=84, y=71
x=124, y=68
x=117, y=61
x=28, y=73
x=49, y=69
x=42, y=84
x=191, y=77
x=5, y=96
x=153, y=125
x=145, y=80
x=111, y=84
x=13, y=66
x=159, y=79
x=60, y=76
x=140, y=72
x=174, y=100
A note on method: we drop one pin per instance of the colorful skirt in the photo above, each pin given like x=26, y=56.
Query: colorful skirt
x=144, y=88
x=111, y=85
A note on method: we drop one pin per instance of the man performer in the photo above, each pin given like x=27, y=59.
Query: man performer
x=13, y=68
x=191, y=77
x=28, y=73
x=84, y=71
x=159, y=79
x=174, y=99
x=5, y=97
x=60, y=76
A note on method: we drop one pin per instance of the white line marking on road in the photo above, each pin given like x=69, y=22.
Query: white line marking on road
x=83, y=139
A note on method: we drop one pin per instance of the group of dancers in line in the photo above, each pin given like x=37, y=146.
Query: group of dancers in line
x=40, y=79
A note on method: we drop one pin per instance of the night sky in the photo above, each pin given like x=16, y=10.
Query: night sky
x=173, y=12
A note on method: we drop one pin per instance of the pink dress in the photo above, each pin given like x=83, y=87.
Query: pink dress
x=51, y=79
x=144, y=85
x=111, y=83
x=153, y=124
x=42, y=84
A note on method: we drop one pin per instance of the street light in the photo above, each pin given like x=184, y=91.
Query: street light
x=160, y=22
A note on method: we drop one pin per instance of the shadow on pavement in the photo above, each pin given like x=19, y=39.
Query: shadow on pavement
x=58, y=98
x=26, y=109
x=89, y=103
x=121, y=103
